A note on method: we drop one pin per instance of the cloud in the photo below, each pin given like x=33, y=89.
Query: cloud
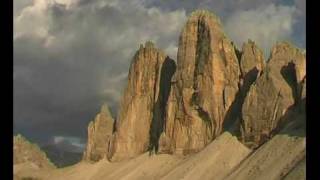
x=286, y=18
x=69, y=144
x=265, y=25
x=70, y=56
x=299, y=29
x=222, y=8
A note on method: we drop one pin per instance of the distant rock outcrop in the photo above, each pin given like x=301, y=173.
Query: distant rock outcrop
x=25, y=152
x=274, y=92
x=99, y=136
x=203, y=87
x=142, y=103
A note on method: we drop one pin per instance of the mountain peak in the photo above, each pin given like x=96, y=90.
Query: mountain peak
x=105, y=110
x=27, y=152
x=205, y=14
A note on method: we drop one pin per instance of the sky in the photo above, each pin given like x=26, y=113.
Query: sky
x=70, y=56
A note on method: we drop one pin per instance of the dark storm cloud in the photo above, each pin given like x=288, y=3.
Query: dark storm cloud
x=74, y=55
x=70, y=56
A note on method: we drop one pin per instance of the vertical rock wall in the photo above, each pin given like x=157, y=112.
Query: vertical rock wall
x=203, y=87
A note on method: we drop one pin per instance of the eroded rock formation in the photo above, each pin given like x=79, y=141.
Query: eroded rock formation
x=251, y=63
x=143, y=103
x=274, y=92
x=203, y=87
x=99, y=135
x=25, y=152
x=214, y=87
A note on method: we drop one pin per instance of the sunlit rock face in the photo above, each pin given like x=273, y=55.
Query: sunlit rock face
x=203, y=87
x=278, y=89
x=25, y=152
x=252, y=63
x=99, y=136
x=142, y=104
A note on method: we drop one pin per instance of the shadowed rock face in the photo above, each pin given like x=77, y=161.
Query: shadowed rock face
x=99, y=135
x=203, y=87
x=142, y=102
x=280, y=155
x=157, y=124
x=251, y=66
x=25, y=152
x=278, y=88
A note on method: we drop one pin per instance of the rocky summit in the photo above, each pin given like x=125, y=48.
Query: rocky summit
x=99, y=136
x=28, y=154
x=142, y=105
x=272, y=94
x=203, y=87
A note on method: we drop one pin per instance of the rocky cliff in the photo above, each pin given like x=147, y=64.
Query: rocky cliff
x=143, y=102
x=278, y=89
x=29, y=154
x=99, y=136
x=251, y=65
x=213, y=88
x=251, y=60
x=203, y=87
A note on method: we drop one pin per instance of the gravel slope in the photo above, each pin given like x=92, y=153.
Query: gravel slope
x=215, y=161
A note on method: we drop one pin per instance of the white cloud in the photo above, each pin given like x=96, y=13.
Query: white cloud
x=37, y=19
x=58, y=139
x=32, y=20
x=264, y=25
x=67, y=3
x=71, y=141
